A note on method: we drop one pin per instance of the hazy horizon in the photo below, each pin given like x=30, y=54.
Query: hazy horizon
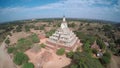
x=11, y=10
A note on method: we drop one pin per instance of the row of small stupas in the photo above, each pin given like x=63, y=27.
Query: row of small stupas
x=63, y=38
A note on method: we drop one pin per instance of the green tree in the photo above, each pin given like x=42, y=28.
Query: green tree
x=11, y=49
x=42, y=27
x=20, y=58
x=117, y=41
x=84, y=60
x=60, y=51
x=72, y=25
x=50, y=33
x=104, y=60
x=27, y=28
x=107, y=27
x=28, y=65
x=101, y=44
x=35, y=38
x=23, y=44
x=86, y=47
x=19, y=28
x=107, y=54
x=94, y=51
x=74, y=66
x=70, y=54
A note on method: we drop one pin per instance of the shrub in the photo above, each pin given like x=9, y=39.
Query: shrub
x=42, y=27
x=70, y=54
x=50, y=33
x=7, y=41
x=107, y=54
x=104, y=60
x=28, y=65
x=11, y=49
x=72, y=25
x=74, y=66
x=20, y=58
x=43, y=45
x=84, y=60
x=35, y=38
x=94, y=51
x=60, y=51
x=19, y=28
x=27, y=28
x=23, y=44
x=100, y=43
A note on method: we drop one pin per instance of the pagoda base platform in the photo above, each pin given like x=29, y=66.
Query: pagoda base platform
x=56, y=46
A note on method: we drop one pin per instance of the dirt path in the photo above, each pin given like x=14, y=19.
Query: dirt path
x=115, y=61
x=5, y=60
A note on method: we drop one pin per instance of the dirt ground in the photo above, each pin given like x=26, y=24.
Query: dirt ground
x=16, y=36
x=115, y=62
x=51, y=61
x=47, y=58
x=5, y=60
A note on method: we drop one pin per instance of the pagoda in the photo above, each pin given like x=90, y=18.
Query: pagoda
x=63, y=38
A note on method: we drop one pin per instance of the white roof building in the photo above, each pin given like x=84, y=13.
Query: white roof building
x=63, y=36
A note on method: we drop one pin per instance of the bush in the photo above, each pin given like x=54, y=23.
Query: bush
x=20, y=58
x=28, y=65
x=100, y=43
x=50, y=33
x=43, y=45
x=107, y=54
x=7, y=41
x=36, y=28
x=19, y=28
x=104, y=60
x=27, y=28
x=84, y=60
x=60, y=51
x=35, y=38
x=72, y=25
x=42, y=27
x=70, y=54
x=94, y=51
x=74, y=66
x=11, y=49
x=23, y=44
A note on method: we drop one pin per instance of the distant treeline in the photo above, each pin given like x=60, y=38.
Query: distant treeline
x=68, y=19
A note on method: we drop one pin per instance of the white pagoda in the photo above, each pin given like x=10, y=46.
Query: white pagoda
x=63, y=38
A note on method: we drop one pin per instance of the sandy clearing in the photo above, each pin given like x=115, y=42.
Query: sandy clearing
x=17, y=35
x=5, y=60
x=53, y=61
x=115, y=62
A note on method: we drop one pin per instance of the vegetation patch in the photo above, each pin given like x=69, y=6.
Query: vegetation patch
x=43, y=45
x=23, y=44
x=20, y=58
x=84, y=60
x=35, y=38
x=60, y=51
x=11, y=50
x=28, y=65
x=50, y=33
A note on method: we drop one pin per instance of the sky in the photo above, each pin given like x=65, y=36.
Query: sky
x=11, y=10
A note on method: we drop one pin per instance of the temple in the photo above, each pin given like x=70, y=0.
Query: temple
x=63, y=38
